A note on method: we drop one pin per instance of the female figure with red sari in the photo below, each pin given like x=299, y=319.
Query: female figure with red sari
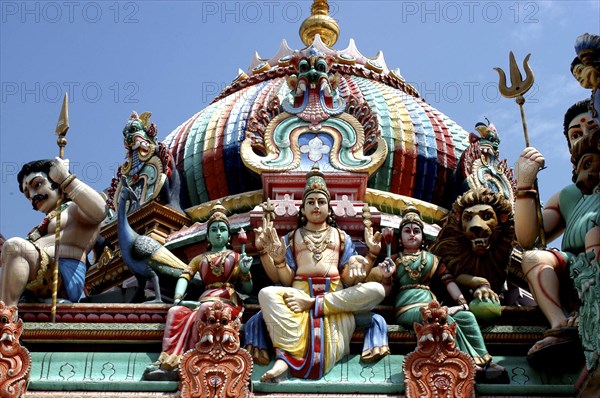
x=222, y=271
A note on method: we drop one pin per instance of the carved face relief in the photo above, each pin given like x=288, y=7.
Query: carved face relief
x=316, y=208
x=38, y=190
x=587, y=75
x=411, y=237
x=478, y=223
x=10, y=325
x=218, y=235
x=137, y=141
x=588, y=170
x=581, y=126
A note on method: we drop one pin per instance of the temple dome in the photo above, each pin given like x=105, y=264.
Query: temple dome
x=424, y=145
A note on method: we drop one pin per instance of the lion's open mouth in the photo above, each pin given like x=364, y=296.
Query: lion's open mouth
x=480, y=243
x=6, y=336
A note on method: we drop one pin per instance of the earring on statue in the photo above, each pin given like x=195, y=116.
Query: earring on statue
x=302, y=218
x=330, y=217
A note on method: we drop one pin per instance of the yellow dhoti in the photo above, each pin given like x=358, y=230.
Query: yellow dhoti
x=313, y=341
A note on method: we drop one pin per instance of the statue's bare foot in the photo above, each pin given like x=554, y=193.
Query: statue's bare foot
x=279, y=368
x=298, y=302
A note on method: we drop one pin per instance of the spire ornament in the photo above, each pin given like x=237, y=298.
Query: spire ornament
x=320, y=23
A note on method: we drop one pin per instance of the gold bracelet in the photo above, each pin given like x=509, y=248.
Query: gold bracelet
x=526, y=193
x=262, y=252
x=371, y=255
x=67, y=181
x=280, y=265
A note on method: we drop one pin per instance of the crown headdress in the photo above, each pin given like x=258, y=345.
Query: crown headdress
x=315, y=182
x=218, y=213
x=411, y=215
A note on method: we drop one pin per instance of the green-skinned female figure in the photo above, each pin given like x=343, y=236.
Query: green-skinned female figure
x=223, y=271
x=412, y=271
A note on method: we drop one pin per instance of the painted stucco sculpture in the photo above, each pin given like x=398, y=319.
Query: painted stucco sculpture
x=437, y=368
x=148, y=169
x=313, y=124
x=27, y=264
x=310, y=317
x=475, y=243
x=225, y=273
x=15, y=360
x=481, y=166
x=410, y=277
x=585, y=158
x=143, y=255
x=569, y=212
x=217, y=367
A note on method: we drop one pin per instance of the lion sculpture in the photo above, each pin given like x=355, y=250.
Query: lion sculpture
x=475, y=243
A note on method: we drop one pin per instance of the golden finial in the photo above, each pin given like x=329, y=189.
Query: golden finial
x=320, y=23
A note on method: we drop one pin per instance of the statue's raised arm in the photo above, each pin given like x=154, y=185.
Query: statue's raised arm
x=26, y=263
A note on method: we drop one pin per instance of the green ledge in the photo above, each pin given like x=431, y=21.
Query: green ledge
x=80, y=371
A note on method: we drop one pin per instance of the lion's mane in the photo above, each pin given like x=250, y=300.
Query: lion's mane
x=455, y=249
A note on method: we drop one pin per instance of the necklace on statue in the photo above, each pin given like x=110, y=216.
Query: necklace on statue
x=413, y=264
x=217, y=263
x=316, y=241
x=42, y=229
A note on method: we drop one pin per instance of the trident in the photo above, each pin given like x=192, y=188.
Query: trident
x=518, y=88
x=61, y=131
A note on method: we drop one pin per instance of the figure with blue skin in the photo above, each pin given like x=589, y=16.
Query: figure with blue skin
x=223, y=271
x=310, y=318
x=27, y=264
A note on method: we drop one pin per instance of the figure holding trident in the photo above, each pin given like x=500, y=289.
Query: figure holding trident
x=568, y=211
x=73, y=211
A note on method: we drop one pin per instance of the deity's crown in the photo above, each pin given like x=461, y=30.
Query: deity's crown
x=411, y=215
x=315, y=182
x=218, y=213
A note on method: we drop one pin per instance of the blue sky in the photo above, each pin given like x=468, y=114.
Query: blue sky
x=173, y=57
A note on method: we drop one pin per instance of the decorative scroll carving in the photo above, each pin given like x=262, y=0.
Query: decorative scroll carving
x=217, y=366
x=15, y=360
x=480, y=164
x=436, y=368
x=258, y=122
x=148, y=168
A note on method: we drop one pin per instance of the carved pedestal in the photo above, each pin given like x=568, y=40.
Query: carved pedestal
x=15, y=361
x=217, y=367
x=436, y=368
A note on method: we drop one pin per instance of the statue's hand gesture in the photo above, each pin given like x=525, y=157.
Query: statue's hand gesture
x=261, y=234
x=266, y=239
x=387, y=268
x=356, y=268
x=245, y=263
x=529, y=164
x=373, y=241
